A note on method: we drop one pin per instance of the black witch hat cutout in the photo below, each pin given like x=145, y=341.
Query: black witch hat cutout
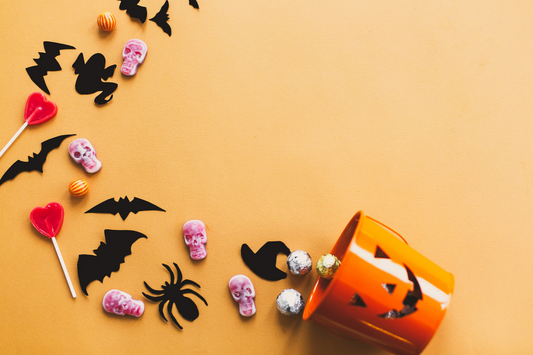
x=108, y=256
x=263, y=263
x=36, y=162
x=174, y=294
x=124, y=207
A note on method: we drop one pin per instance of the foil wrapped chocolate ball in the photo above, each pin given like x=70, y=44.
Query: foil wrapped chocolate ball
x=327, y=266
x=290, y=302
x=299, y=262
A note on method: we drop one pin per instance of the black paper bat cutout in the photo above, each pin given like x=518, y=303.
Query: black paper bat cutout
x=194, y=4
x=45, y=63
x=134, y=10
x=37, y=161
x=124, y=207
x=161, y=19
x=263, y=263
x=90, y=77
x=108, y=258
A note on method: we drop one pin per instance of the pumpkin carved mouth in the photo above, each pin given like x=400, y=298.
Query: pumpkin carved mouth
x=409, y=301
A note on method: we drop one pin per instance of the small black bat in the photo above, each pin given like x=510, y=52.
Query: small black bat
x=108, y=258
x=45, y=63
x=263, y=263
x=37, y=161
x=124, y=207
x=194, y=4
x=161, y=19
x=134, y=10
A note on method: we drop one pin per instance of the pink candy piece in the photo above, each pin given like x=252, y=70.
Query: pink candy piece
x=121, y=303
x=134, y=53
x=195, y=238
x=82, y=151
x=243, y=292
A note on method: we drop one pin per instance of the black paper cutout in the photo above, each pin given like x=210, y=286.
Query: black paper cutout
x=194, y=4
x=357, y=301
x=124, y=207
x=161, y=19
x=109, y=256
x=91, y=75
x=263, y=263
x=36, y=162
x=380, y=254
x=175, y=295
x=134, y=10
x=45, y=63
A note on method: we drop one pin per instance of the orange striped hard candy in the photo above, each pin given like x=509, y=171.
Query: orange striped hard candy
x=78, y=188
x=106, y=21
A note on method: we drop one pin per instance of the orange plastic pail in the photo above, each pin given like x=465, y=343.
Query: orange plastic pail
x=384, y=293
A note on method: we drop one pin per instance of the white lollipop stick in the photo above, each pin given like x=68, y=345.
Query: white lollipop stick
x=13, y=138
x=64, y=267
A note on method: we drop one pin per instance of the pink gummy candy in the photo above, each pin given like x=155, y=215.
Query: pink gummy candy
x=195, y=238
x=121, y=303
x=134, y=53
x=243, y=292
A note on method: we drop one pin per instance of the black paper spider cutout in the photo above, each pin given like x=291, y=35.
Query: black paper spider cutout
x=174, y=294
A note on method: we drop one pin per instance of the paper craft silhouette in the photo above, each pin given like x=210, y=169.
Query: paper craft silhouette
x=161, y=19
x=108, y=258
x=37, y=161
x=174, y=294
x=134, y=10
x=263, y=263
x=90, y=76
x=194, y=4
x=45, y=63
x=124, y=207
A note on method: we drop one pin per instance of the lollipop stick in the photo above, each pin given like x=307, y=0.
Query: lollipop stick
x=64, y=267
x=13, y=139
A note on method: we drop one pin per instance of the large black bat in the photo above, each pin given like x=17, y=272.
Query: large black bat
x=45, y=63
x=108, y=258
x=161, y=19
x=124, y=207
x=37, y=161
x=263, y=263
x=134, y=10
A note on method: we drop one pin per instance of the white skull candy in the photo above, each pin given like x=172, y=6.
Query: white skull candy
x=121, y=303
x=243, y=292
x=133, y=54
x=195, y=238
x=82, y=151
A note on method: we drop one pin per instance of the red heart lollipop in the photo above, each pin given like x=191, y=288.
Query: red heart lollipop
x=38, y=109
x=48, y=220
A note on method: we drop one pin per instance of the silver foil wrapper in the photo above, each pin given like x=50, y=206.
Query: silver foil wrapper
x=299, y=262
x=290, y=302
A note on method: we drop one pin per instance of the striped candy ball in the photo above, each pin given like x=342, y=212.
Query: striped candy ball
x=106, y=21
x=78, y=188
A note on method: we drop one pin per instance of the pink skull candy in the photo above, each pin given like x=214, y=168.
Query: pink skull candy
x=195, y=238
x=243, y=292
x=121, y=303
x=133, y=53
x=82, y=151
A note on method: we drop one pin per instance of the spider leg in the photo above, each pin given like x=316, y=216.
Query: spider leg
x=170, y=304
x=157, y=292
x=152, y=298
x=170, y=272
x=180, y=275
x=190, y=282
x=194, y=293
x=161, y=305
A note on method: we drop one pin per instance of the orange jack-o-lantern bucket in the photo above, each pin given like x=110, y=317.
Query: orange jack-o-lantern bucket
x=384, y=293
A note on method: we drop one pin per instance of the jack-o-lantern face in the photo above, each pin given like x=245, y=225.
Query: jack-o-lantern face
x=409, y=301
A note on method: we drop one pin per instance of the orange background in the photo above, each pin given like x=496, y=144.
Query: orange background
x=273, y=120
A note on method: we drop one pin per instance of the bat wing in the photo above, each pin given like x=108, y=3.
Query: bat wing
x=134, y=10
x=109, y=206
x=37, y=74
x=194, y=4
x=161, y=19
x=53, y=48
x=37, y=161
x=138, y=204
x=108, y=256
